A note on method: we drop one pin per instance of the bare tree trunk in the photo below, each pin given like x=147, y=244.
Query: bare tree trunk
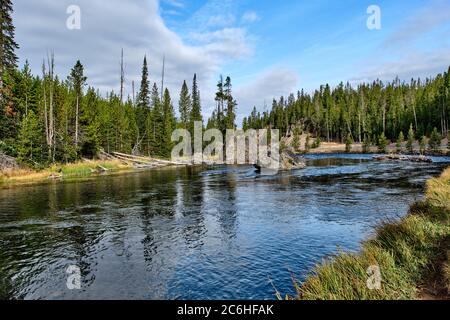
x=1, y=83
x=76, y=120
x=122, y=77
x=51, y=124
x=2, y=69
x=415, y=115
x=132, y=88
x=44, y=75
x=162, y=77
x=359, y=126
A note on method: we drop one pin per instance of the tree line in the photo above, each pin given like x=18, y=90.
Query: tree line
x=364, y=113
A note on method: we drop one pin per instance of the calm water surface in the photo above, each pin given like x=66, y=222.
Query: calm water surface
x=193, y=233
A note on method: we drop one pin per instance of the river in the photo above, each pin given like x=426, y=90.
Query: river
x=196, y=233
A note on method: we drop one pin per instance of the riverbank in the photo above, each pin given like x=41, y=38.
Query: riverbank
x=413, y=257
x=80, y=169
x=336, y=147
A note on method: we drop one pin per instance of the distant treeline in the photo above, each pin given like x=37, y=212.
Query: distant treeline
x=364, y=113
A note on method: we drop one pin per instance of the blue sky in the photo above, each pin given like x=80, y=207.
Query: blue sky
x=269, y=48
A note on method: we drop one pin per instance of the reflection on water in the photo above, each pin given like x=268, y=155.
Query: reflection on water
x=196, y=233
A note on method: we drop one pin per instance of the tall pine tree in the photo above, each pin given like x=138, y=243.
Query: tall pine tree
x=30, y=149
x=196, y=110
x=143, y=100
x=8, y=58
x=158, y=122
x=169, y=123
x=143, y=107
x=77, y=81
x=184, y=106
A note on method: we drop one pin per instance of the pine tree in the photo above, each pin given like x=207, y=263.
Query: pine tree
x=143, y=99
x=77, y=81
x=348, y=143
x=307, y=143
x=157, y=138
x=230, y=116
x=400, y=141
x=143, y=107
x=435, y=141
x=366, y=145
x=316, y=143
x=411, y=139
x=8, y=58
x=169, y=123
x=196, y=110
x=382, y=143
x=30, y=150
x=219, y=118
x=184, y=106
x=90, y=144
x=423, y=145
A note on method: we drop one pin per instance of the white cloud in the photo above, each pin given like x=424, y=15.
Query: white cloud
x=250, y=17
x=175, y=3
x=267, y=85
x=136, y=26
x=407, y=66
x=422, y=22
x=220, y=21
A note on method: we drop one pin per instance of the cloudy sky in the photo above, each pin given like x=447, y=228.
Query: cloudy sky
x=269, y=48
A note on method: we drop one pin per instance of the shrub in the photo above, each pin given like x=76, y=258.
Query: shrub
x=435, y=141
x=400, y=141
x=411, y=139
x=366, y=145
x=423, y=145
x=348, y=144
x=382, y=143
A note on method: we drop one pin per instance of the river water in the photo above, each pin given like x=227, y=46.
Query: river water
x=196, y=233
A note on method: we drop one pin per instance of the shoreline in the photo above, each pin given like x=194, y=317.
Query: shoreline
x=412, y=256
x=60, y=172
x=92, y=168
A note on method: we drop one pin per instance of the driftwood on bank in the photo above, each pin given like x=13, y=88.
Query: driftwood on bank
x=400, y=157
x=140, y=161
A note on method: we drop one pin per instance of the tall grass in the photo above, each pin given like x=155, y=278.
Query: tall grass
x=87, y=168
x=405, y=253
x=71, y=170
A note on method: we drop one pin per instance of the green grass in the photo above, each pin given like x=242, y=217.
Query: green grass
x=76, y=171
x=84, y=169
x=70, y=170
x=405, y=252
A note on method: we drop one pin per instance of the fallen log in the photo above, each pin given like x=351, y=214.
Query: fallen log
x=102, y=168
x=149, y=159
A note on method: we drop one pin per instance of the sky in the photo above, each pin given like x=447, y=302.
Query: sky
x=268, y=48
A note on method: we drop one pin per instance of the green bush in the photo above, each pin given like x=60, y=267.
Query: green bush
x=435, y=141
x=382, y=143
x=348, y=144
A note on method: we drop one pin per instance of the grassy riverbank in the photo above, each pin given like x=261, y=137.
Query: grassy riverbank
x=413, y=256
x=71, y=170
